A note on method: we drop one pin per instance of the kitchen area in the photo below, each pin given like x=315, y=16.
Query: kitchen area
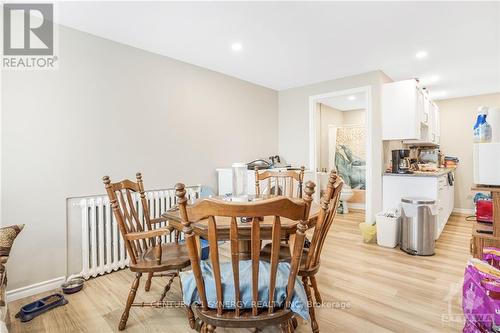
x=418, y=174
x=414, y=167
x=436, y=184
x=419, y=178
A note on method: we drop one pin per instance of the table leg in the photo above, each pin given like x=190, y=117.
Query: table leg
x=245, y=247
x=198, y=244
x=291, y=243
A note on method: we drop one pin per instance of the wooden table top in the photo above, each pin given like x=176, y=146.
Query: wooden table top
x=485, y=188
x=200, y=228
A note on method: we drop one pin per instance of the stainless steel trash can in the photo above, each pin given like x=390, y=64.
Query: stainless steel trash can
x=418, y=224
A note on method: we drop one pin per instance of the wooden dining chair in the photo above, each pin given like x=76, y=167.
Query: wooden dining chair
x=287, y=183
x=310, y=263
x=215, y=210
x=143, y=241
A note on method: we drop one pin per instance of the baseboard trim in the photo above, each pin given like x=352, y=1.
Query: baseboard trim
x=34, y=289
x=463, y=211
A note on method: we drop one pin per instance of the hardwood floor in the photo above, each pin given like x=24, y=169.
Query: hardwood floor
x=384, y=290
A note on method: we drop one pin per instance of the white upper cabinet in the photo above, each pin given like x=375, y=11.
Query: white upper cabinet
x=408, y=114
x=437, y=130
x=400, y=101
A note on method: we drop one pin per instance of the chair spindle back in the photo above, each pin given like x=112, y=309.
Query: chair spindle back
x=328, y=209
x=287, y=183
x=212, y=209
x=125, y=210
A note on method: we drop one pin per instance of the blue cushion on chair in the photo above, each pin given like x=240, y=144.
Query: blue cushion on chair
x=190, y=292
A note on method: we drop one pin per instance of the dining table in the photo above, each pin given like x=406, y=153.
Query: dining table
x=200, y=228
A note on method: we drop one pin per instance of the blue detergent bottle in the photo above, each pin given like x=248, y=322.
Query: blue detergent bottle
x=484, y=130
x=481, y=119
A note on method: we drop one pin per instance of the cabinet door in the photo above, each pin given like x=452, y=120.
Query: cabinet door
x=445, y=202
x=400, y=120
x=432, y=122
x=451, y=199
x=437, y=123
x=442, y=204
x=422, y=116
x=424, y=108
x=429, y=126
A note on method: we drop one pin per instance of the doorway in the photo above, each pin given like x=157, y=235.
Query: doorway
x=340, y=139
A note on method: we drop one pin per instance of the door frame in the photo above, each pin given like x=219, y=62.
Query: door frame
x=314, y=137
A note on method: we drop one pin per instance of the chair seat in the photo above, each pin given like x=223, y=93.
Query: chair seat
x=265, y=254
x=298, y=305
x=174, y=256
x=245, y=319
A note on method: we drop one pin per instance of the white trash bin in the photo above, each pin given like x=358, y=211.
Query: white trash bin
x=387, y=230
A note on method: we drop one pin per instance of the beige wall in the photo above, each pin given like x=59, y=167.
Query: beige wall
x=113, y=110
x=328, y=116
x=354, y=117
x=294, y=126
x=457, y=117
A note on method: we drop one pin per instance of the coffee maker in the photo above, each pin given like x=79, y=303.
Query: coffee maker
x=401, y=161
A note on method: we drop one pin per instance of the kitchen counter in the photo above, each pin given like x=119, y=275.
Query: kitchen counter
x=440, y=172
x=432, y=185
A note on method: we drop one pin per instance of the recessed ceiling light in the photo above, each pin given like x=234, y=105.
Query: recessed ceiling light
x=236, y=47
x=351, y=97
x=421, y=54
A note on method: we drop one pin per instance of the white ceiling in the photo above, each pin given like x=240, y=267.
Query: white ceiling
x=290, y=44
x=346, y=102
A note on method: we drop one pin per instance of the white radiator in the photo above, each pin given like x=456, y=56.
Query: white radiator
x=102, y=247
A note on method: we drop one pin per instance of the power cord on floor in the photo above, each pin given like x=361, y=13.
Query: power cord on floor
x=471, y=218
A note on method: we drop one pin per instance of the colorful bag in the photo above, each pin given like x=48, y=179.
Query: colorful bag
x=481, y=296
x=492, y=256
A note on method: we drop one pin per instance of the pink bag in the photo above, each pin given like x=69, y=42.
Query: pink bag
x=492, y=256
x=481, y=297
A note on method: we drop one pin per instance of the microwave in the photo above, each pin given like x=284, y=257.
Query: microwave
x=486, y=163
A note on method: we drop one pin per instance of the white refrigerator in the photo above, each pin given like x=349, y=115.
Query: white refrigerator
x=486, y=163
